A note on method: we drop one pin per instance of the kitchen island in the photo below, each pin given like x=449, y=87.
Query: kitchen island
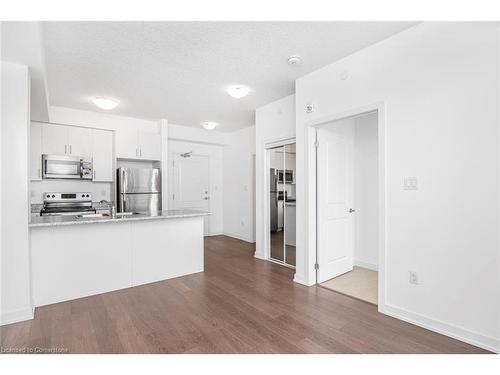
x=74, y=257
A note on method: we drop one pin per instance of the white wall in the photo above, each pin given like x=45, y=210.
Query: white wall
x=273, y=122
x=22, y=44
x=215, y=152
x=15, y=273
x=77, y=117
x=438, y=83
x=198, y=135
x=239, y=184
x=366, y=190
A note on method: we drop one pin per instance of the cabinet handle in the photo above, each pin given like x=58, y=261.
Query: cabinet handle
x=140, y=152
x=93, y=177
x=136, y=152
x=39, y=173
x=70, y=149
x=65, y=149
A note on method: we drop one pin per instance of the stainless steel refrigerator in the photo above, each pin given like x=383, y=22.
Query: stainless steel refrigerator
x=138, y=189
x=273, y=199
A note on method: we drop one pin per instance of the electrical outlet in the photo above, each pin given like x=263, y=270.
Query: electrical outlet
x=413, y=278
x=410, y=183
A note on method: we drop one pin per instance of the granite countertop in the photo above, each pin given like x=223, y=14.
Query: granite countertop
x=52, y=221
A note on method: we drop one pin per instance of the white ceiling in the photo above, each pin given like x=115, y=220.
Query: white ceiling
x=178, y=70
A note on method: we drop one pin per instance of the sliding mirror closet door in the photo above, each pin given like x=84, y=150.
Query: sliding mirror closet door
x=281, y=162
x=289, y=204
x=276, y=204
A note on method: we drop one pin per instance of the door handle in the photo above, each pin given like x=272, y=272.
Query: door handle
x=351, y=210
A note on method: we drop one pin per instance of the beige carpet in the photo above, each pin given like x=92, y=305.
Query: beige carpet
x=360, y=283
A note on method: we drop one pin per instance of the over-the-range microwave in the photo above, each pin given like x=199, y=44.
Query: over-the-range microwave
x=64, y=166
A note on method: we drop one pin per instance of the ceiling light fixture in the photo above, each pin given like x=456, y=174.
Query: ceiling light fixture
x=105, y=103
x=209, y=125
x=294, y=60
x=238, y=91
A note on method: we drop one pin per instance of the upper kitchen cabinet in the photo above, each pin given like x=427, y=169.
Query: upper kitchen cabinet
x=54, y=139
x=36, y=152
x=102, y=155
x=149, y=145
x=79, y=141
x=138, y=145
x=66, y=140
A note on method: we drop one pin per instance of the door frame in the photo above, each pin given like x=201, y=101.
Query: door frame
x=267, y=225
x=172, y=184
x=382, y=185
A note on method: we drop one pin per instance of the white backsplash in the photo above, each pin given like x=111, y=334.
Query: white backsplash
x=99, y=190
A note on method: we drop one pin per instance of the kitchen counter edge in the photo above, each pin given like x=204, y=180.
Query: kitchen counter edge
x=52, y=221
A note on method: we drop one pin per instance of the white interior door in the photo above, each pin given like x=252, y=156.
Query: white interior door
x=191, y=183
x=335, y=199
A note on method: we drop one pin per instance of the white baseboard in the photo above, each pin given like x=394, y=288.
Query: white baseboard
x=15, y=316
x=238, y=237
x=259, y=256
x=370, y=266
x=299, y=279
x=213, y=234
x=459, y=333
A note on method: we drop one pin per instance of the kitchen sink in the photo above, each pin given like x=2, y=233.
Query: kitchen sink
x=92, y=215
x=118, y=214
x=127, y=213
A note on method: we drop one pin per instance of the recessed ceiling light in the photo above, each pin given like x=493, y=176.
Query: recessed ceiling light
x=238, y=91
x=209, y=125
x=294, y=60
x=104, y=103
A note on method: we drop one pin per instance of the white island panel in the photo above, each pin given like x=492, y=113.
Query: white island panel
x=165, y=251
x=69, y=262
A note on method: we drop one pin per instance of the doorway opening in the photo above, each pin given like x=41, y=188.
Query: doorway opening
x=281, y=187
x=348, y=206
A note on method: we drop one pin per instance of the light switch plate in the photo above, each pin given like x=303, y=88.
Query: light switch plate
x=410, y=183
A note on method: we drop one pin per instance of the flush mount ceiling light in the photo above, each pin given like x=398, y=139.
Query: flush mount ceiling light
x=294, y=60
x=238, y=91
x=105, y=103
x=209, y=125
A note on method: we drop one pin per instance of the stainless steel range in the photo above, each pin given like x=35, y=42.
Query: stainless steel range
x=67, y=204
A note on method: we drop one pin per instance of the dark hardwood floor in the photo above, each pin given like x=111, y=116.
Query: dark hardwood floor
x=238, y=305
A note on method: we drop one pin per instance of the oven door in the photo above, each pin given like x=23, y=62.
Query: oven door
x=63, y=166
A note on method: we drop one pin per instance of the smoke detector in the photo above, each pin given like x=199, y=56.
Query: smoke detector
x=294, y=60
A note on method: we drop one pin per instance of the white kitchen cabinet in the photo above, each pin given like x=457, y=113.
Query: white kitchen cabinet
x=54, y=139
x=66, y=140
x=102, y=155
x=126, y=144
x=79, y=141
x=149, y=145
x=138, y=145
x=35, y=152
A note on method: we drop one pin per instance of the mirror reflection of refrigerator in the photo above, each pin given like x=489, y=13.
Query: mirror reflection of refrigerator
x=273, y=199
x=138, y=190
